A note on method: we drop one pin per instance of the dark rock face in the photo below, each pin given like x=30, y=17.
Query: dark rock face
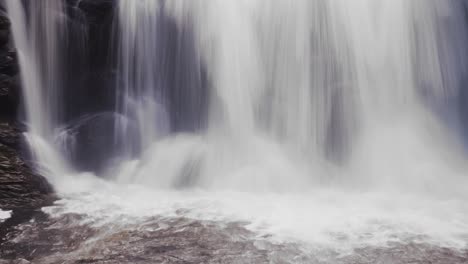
x=8, y=62
x=20, y=187
x=97, y=11
x=4, y=30
x=9, y=96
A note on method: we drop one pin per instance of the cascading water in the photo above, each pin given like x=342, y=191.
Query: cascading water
x=39, y=29
x=322, y=98
x=162, y=81
x=314, y=82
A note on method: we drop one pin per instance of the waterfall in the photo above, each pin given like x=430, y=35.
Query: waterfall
x=261, y=95
x=162, y=83
x=37, y=39
x=39, y=32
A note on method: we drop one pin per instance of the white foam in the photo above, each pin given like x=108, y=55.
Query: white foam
x=336, y=218
x=4, y=215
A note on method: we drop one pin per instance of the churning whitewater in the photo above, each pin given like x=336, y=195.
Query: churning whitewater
x=317, y=128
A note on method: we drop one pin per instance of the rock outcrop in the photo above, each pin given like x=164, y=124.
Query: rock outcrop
x=20, y=187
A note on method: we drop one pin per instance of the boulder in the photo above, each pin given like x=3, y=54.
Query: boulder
x=20, y=187
x=92, y=141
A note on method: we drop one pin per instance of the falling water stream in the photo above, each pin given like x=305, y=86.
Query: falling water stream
x=318, y=127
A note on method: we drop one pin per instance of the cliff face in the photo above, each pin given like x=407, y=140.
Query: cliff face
x=20, y=186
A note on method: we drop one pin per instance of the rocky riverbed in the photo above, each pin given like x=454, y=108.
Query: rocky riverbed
x=72, y=238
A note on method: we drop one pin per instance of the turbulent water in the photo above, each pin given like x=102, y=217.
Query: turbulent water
x=295, y=131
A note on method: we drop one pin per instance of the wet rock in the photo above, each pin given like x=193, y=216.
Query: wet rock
x=9, y=96
x=20, y=187
x=8, y=63
x=9, y=82
x=97, y=11
x=91, y=139
x=4, y=29
x=18, y=261
x=100, y=85
x=4, y=36
x=66, y=238
x=4, y=22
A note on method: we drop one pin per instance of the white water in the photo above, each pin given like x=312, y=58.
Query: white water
x=322, y=218
x=319, y=125
x=37, y=39
x=295, y=85
x=4, y=215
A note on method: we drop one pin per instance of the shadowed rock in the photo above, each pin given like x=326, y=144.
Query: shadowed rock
x=20, y=187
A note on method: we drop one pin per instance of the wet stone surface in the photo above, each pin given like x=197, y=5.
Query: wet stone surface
x=20, y=187
x=72, y=238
